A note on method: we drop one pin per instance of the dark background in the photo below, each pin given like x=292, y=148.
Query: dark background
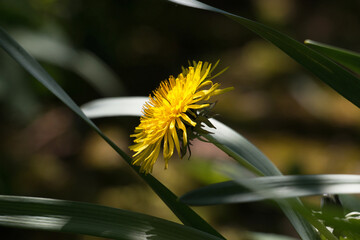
x=108, y=48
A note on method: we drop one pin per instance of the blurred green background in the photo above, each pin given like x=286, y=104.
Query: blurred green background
x=110, y=48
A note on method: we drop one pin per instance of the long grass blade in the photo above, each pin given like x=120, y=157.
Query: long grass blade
x=276, y=187
x=90, y=219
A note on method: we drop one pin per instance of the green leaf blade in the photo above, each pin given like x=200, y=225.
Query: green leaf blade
x=345, y=57
x=114, y=107
x=89, y=219
x=275, y=187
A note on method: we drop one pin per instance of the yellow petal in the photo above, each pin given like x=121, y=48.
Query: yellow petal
x=187, y=119
x=174, y=135
x=181, y=125
x=198, y=106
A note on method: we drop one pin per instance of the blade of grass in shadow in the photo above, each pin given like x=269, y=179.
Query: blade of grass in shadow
x=276, y=187
x=90, y=219
x=182, y=211
x=223, y=137
x=328, y=71
x=345, y=57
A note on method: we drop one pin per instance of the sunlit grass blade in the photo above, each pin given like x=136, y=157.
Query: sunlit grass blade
x=276, y=187
x=328, y=71
x=345, y=57
x=182, y=211
x=114, y=107
x=223, y=137
x=89, y=219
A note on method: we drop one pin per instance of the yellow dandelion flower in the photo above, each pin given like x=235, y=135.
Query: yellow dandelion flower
x=173, y=114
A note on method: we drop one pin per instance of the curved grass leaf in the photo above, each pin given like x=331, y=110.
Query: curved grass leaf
x=223, y=137
x=331, y=73
x=114, y=107
x=90, y=219
x=182, y=211
x=239, y=148
x=345, y=57
x=276, y=187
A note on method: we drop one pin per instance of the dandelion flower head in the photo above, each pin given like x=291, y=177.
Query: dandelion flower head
x=173, y=114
